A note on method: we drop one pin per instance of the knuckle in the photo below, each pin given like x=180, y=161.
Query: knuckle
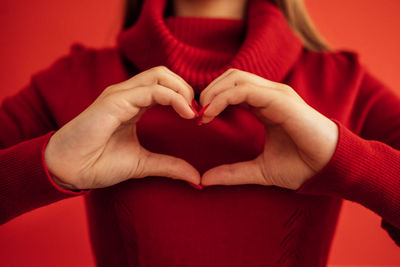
x=236, y=72
x=160, y=69
x=105, y=96
x=109, y=90
x=111, y=96
x=116, y=100
x=117, y=104
x=286, y=87
x=163, y=67
x=233, y=70
x=287, y=90
x=158, y=73
x=238, y=76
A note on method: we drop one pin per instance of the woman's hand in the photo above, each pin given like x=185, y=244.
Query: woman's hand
x=299, y=140
x=100, y=147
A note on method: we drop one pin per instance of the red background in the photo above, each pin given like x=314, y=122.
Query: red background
x=35, y=33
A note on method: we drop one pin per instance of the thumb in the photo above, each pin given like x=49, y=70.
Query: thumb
x=155, y=164
x=246, y=172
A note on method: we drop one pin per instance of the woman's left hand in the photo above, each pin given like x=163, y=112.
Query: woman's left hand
x=299, y=140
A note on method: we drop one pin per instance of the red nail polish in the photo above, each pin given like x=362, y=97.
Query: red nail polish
x=195, y=111
x=195, y=186
x=203, y=109
x=195, y=104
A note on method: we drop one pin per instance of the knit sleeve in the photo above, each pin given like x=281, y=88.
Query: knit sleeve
x=26, y=126
x=365, y=168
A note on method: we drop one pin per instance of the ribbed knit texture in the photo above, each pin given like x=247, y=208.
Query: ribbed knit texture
x=355, y=169
x=25, y=181
x=156, y=221
x=226, y=34
x=259, y=53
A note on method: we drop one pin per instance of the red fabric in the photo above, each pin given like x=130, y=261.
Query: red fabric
x=157, y=221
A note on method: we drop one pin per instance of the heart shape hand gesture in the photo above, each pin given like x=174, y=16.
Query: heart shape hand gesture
x=299, y=140
x=100, y=147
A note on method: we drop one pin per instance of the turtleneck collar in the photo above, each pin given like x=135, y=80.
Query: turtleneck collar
x=217, y=34
x=201, y=49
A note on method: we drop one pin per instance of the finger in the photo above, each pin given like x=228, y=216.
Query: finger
x=219, y=78
x=189, y=93
x=231, y=96
x=232, y=78
x=161, y=95
x=163, y=76
x=168, y=166
x=126, y=104
x=213, y=88
x=247, y=172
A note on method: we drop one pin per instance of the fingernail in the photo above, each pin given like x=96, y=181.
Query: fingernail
x=195, y=104
x=201, y=112
x=194, y=111
x=195, y=185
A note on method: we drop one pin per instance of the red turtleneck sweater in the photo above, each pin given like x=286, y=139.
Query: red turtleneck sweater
x=156, y=221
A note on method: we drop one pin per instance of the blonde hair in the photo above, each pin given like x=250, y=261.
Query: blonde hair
x=294, y=10
x=300, y=22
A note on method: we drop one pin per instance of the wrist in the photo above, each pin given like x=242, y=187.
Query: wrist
x=47, y=156
x=53, y=179
x=63, y=185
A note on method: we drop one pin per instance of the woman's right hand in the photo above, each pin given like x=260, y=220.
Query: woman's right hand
x=100, y=148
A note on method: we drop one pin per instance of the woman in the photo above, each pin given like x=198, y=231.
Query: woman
x=212, y=93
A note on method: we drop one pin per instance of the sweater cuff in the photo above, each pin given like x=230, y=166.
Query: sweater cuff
x=25, y=182
x=360, y=170
x=328, y=181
